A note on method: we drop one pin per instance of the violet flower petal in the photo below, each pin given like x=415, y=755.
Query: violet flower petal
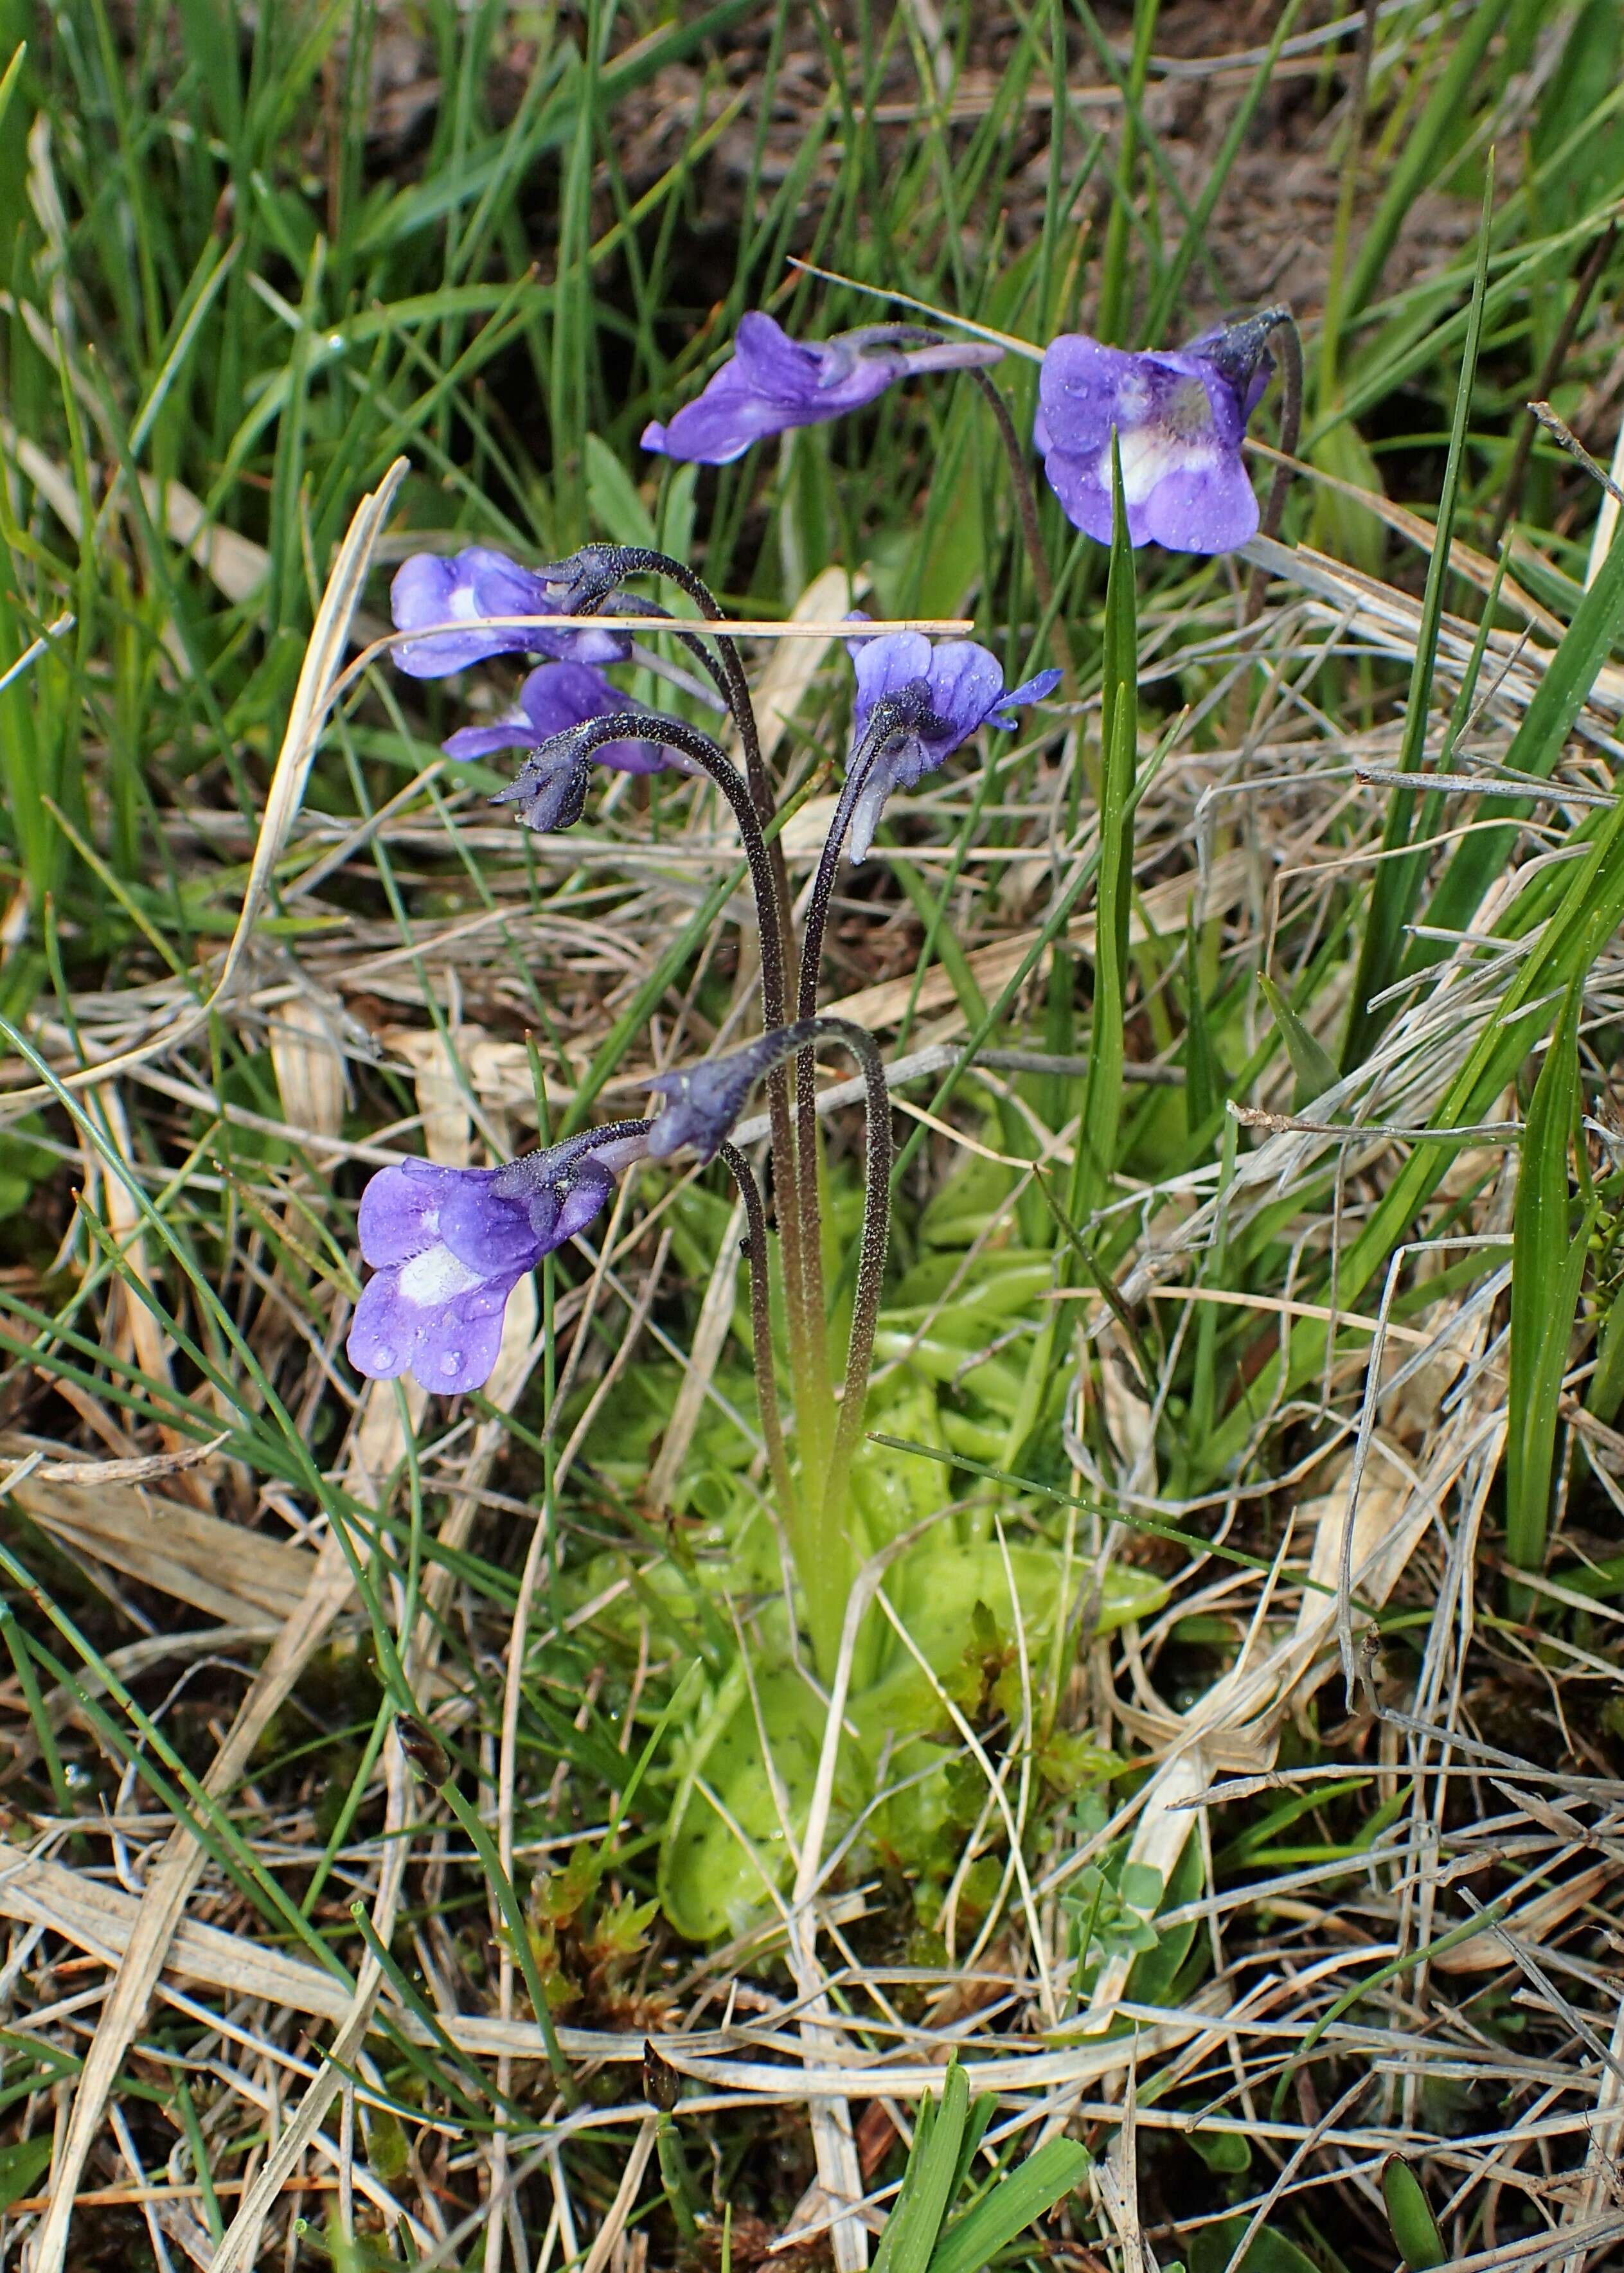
x=455, y=1243
x=1179, y=418
x=962, y=689
x=458, y=1343
x=471, y=586
x=553, y=699
x=885, y=664
x=382, y=1335
x=1214, y=511
x=399, y=1210
x=483, y=1232
x=772, y=383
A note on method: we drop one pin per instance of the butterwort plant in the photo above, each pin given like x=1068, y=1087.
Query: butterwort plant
x=446, y=1247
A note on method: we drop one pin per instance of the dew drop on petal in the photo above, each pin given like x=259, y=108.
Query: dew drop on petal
x=383, y=1354
x=452, y=1361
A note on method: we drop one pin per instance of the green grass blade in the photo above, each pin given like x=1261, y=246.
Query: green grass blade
x=1546, y=1267
x=1584, y=919
x=1196, y=239
x=1399, y=876
x=1314, y=1068
x=1097, y=1142
x=1423, y=153
x=1415, y=2230
x=1535, y=749
x=927, y=2193
x=1114, y=267
x=1011, y=2206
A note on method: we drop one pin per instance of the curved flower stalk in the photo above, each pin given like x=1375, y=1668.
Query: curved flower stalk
x=553, y=699
x=471, y=588
x=447, y=1246
x=916, y=703
x=1179, y=417
x=589, y=577
x=772, y=383
x=592, y=575
x=549, y=790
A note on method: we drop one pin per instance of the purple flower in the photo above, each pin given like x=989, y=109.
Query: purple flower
x=471, y=588
x=550, y=788
x=448, y=1246
x=773, y=382
x=707, y=1099
x=1179, y=417
x=555, y=697
x=937, y=695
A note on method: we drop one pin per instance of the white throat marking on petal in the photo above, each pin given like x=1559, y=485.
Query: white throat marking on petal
x=435, y=1276
x=1149, y=454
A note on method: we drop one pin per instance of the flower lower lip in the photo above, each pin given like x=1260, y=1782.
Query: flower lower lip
x=436, y=1276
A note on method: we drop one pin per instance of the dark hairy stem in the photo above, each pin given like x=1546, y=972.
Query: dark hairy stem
x=1025, y=505
x=887, y=719
x=619, y=561
x=633, y=603
x=761, y=1326
x=1285, y=331
x=770, y=886
x=890, y=717
x=690, y=742
x=641, y=560
x=514, y=1176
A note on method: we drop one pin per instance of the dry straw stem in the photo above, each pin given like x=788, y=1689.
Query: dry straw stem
x=418, y=1649
x=795, y=627
x=1286, y=1941
x=328, y=1584
x=168, y=1887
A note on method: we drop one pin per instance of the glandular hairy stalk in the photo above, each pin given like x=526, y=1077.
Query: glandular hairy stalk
x=760, y=1331
x=597, y=572
x=1283, y=332
x=691, y=743
x=789, y=1174
x=890, y=718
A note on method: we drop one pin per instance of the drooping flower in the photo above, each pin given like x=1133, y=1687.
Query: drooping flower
x=938, y=695
x=447, y=1246
x=471, y=588
x=553, y=698
x=1179, y=417
x=771, y=382
x=707, y=1099
x=550, y=788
